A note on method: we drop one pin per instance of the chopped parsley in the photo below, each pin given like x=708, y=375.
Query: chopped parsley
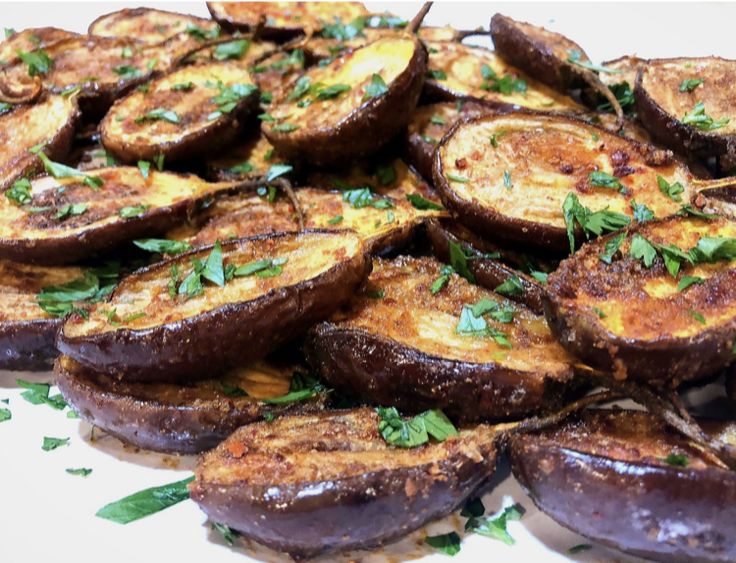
x=127, y=72
x=507, y=180
x=227, y=533
x=60, y=300
x=576, y=57
x=689, y=84
x=38, y=394
x=472, y=323
x=676, y=460
x=50, y=444
x=415, y=431
x=591, y=222
x=448, y=544
x=231, y=50
x=420, y=202
x=456, y=178
x=611, y=248
x=20, y=192
x=496, y=526
x=459, y=261
x=162, y=246
x=434, y=74
x=335, y=220
x=133, y=211
x=512, y=287
x=441, y=280
x=285, y=127
x=672, y=190
x=70, y=210
x=144, y=166
x=182, y=86
x=601, y=179
x=229, y=98
x=505, y=85
x=146, y=502
x=699, y=119
x=265, y=268
x=359, y=198
x=625, y=96
x=376, y=87
x=5, y=414
x=159, y=114
x=641, y=212
x=302, y=387
x=38, y=61
x=60, y=171
x=81, y=471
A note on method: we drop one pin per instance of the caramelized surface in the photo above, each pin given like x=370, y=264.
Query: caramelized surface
x=20, y=285
x=122, y=187
x=28, y=126
x=29, y=40
x=661, y=78
x=431, y=122
x=308, y=255
x=642, y=303
x=148, y=25
x=462, y=64
x=408, y=313
x=296, y=450
x=277, y=73
x=195, y=108
x=252, y=156
x=388, y=57
x=548, y=157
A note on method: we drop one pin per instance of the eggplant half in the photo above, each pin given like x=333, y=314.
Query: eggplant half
x=626, y=480
x=283, y=20
x=183, y=418
x=656, y=303
x=49, y=123
x=62, y=220
x=427, y=127
x=686, y=104
x=222, y=306
x=457, y=71
x=250, y=157
x=29, y=40
x=188, y=114
x=315, y=484
x=28, y=332
x=508, y=177
x=420, y=337
x=276, y=72
x=350, y=107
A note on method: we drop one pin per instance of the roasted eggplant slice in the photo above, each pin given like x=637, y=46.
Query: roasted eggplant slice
x=58, y=221
x=184, y=419
x=49, y=123
x=152, y=26
x=655, y=303
x=277, y=72
x=509, y=177
x=492, y=265
x=310, y=485
x=189, y=113
x=383, y=223
x=459, y=71
x=686, y=104
x=283, y=20
x=419, y=337
x=427, y=127
x=626, y=480
x=250, y=157
x=350, y=107
x=266, y=291
x=30, y=39
x=28, y=332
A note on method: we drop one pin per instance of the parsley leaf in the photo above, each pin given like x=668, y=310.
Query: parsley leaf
x=591, y=222
x=576, y=57
x=471, y=324
x=20, y=192
x=689, y=84
x=375, y=88
x=81, y=472
x=672, y=190
x=687, y=281
x=363, y=197
x=146, y=502
x=676, y=460
x=699, y=119
x=604, y=180
x=231, y=50
x=127, y=72
x=642, y=249
x=642, y=213
x=496, y=526
x=159, y=114
x=266, y=268
x=285, y=127
x=511, y=287
x=420, y=202
x=448, y=544
x=60, y=300
x=38, y=394
x=441, y=280
x=625, y=96
x=133, y=211
x=415, y=431
x=60, y=171
x=505, y=85
x=162, y=246
x=50, y=444
x=611, y=247
x=38, y=61
x=5, y=414
x=302, y=387
x=459, y=261
x=227, y=533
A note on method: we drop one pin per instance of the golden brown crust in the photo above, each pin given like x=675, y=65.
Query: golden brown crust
x=403, y=348
x=605, y=475
x=49, y=123
x=169, y=336
x=29, y=40
x=632, y=320
x=183, y=418
x=149, y=25
x=275, y=73
x=249, y=157
x=309, y=485
x=200, y=126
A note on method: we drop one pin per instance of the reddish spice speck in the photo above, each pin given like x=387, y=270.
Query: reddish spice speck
x=566, y=168
x=461, y=163
x=236, y=449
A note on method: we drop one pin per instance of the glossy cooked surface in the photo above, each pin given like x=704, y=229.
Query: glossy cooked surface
x=661, y=79
x=308, y=255
x=123, y=187
x=248, y=157
x=148, y=25
x=547, y=158
x=29, y=40
x=128, y=134
x=49, y=122
x=276, y=73
x=409, y=314
x=462, y=65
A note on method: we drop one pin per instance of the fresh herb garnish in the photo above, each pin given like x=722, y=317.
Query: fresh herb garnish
x=676, y=460
x=227, y=533
x=496, y=526
x=50, y=444
x=38, y=394
x=422, y=203
x=415, y=431
x=285, y=127
x=579, y=548
x=611, y=248
x=69, y=210
x=231, y=50
x=182, y=86
x=60, y=300
x=375, y=88
x=127, y=72
x=133, y=211
x=448, y=544
x=641, y=212
x=591, y=222
x=434, y=74
x=146, y=502
x=672, y=190
x=265, y=268
x=511, y=287
x=459, y=261
x=159, y=114
x=687, y=281
x=302, y=387
x=202, y=34
x=20, y=192
x=60, y=171
x=81, y=471
x=5, y=414
x=456, y=178
x=162, y=246
x=472, y=324
x=625, y=96
x=699, y=119
x=576, y=57
x=697, y=316
x=38, y=61
x=689, y=84
x=229, y=98
x=441, y=280
x=505, y=85
x=277, y=170
x=144, y=166
x=335, y=220
x=604, y=180
x=507, y=180
x=359, y=198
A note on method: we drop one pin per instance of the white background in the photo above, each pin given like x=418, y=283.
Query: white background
x=46, y=514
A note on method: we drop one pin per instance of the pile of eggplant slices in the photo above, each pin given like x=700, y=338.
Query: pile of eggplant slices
x=350, y=260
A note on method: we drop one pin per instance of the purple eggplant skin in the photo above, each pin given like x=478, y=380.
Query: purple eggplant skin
x=644, y=506
x=28, y=345
x=319, y=489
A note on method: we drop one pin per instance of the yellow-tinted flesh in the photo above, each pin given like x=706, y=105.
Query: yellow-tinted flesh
x=408, y=313
x=547, y=158
x=287, y=15
x=122, y=187
x=644, y=303
x=624, y=70
x=255, y=151
x=308, y=255
x=148, y=26
x=29, y=40
x=20, y=285
x=462, y=65
x=247, y=215
x=662, y=78
x=253, y=51
x=195, y=108
x=388, y=57
x=277, y=73
x=26, y=127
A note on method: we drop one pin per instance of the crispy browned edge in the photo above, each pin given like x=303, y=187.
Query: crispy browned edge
x=229, y=336
x=630, y=505
x=355, y=512
x=95, y=240
x=366, y=128
x=28, y=345
x=667, y=129
x=217, y=135
x=488, y=273
x=57, y=148
x=131, y=12
x=534, y=57
x=670, y=360
x=230, y=25
x=157, y=425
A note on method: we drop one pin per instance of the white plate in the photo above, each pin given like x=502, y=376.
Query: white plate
x=47, y=514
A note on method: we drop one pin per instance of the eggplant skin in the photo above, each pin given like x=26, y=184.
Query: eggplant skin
x=648, y=509
x=338, y=496
x=532, y=49
x=731, y=384
x=365, y=129
x=28, y=345
x=224, y=337
x=180, y=420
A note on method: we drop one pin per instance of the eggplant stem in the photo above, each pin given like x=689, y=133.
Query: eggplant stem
x=594, y=82
x=417, y=20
